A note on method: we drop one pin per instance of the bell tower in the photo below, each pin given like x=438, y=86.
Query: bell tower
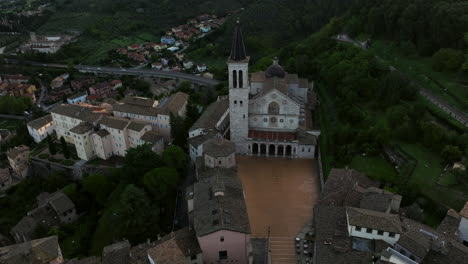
x=239, y=87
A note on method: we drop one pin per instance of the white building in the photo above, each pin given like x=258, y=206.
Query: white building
x=77, y=98
x=97, y=134
x=40, y=128
x=158, y=114
x=375, y=225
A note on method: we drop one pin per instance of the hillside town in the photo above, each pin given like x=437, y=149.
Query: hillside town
x=321, y=152
x=169, y=54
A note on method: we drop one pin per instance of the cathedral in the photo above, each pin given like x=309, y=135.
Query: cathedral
x=270, y=113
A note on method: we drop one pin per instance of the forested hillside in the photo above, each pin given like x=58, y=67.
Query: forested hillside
x=367, y=109
x=427, y=24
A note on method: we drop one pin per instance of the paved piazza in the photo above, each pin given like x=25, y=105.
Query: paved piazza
x=280, y=193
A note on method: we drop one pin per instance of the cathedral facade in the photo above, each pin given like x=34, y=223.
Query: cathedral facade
x=270, y=112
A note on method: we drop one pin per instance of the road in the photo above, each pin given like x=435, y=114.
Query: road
x=43, y=93
x=13, y=117
x=454, y=112
x=123, y=71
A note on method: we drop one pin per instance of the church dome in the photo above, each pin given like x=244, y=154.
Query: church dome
x=275, y=70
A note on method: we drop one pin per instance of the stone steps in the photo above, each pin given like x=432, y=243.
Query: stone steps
x=282, y=250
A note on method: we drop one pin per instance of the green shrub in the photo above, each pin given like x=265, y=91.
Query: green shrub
x=447, y=60
x=68, y=162
x=44, y=156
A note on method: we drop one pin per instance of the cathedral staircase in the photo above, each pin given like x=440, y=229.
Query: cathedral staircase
x=282, y=250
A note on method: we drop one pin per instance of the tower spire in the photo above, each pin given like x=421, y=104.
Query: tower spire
x=238, y=48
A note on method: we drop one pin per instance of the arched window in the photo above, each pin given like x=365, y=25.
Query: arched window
x=234, y=79
x=241, y=80
x=273, y=108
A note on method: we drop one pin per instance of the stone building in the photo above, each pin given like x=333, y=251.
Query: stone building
x=18, y=158
x=268, y=113
x=40, y=251
x=52, y=209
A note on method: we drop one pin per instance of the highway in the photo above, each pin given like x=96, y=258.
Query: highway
x=122, y=71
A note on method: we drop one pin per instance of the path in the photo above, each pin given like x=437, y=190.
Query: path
x=43, y=93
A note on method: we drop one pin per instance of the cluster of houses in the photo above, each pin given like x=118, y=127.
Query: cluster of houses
x=111, y=128
x=52, y=209
x=195, y=28
x=17, y=85
x=81, y=89
x=354, y=222
x=174, y=40
x=357, y=222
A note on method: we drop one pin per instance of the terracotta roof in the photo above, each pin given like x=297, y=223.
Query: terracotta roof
x=137, y=125
x=141, y=101
x=258, y=77
x=203, y=138
x=306, y=138
x=117, y=253
x=40, y=122
x=102, y=133
x=60, y=202
x=223, y=212
x=82, y=128
x=218, y=147
x=174, y=103
x=185, y=239
x=373, y=219
x=332, y=241
x=167, y=253
x=42, y=250
x=84, y=113
x=14, y=152
x=135, y=109
x=449, y=226
x=151, y=137
x=341, y=184
x=114, y=122
x=212, y=115
x=26, y=226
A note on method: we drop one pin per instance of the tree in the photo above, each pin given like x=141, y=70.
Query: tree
x=179, y=130
x=99, y=186
x=135, y=212
x=51, y=145
x=175, y=157
x=141, y=86
x=65, y=150
x=451, y=154
x=141, y=159
x=161, y=182
x=447, y=60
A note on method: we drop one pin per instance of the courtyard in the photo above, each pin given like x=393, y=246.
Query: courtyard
x=280, y=194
